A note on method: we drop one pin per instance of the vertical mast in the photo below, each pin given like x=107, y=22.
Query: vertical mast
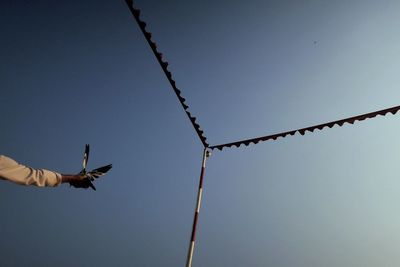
x=206, y=154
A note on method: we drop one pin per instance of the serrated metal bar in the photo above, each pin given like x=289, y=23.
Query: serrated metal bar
x=164, y=66
x=302, y=131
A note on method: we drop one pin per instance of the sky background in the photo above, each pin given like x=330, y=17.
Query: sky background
x=77, y=72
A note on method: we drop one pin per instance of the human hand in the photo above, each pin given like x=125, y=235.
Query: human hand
x=84, y=180
x=83, y=183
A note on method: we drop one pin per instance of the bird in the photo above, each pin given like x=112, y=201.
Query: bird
x=90, y=176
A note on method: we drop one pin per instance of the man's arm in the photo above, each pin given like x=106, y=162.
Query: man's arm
x=20, y=174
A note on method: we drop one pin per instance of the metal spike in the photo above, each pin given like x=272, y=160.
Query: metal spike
x=142, y=24
x=136, y=12
x=153, y=45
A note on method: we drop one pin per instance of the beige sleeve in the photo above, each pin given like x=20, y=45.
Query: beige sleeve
x=20, y=174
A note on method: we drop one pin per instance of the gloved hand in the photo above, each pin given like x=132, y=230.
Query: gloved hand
x=86, y=179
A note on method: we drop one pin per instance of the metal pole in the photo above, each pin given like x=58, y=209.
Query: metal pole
x=206, y=154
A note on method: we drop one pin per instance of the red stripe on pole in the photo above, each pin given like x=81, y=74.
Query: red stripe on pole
x=196, y=216
x=201, y=177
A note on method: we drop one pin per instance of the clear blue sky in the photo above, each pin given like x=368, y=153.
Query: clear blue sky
x=77, y=72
